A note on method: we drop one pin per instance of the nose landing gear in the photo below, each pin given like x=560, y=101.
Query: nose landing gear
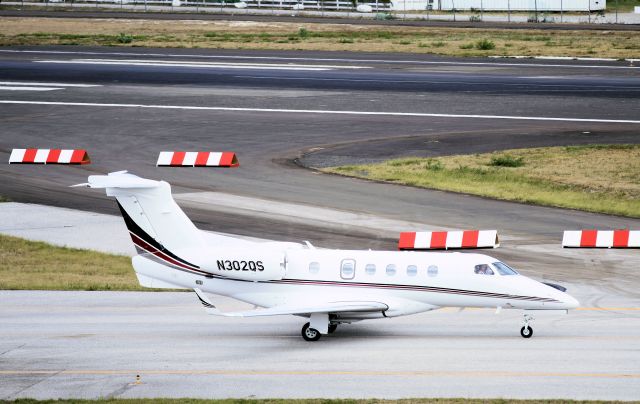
x=526, y=331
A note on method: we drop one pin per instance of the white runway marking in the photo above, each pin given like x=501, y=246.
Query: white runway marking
x=38, y=83
x=168, y=63
x=26, y=88
x=319, y=111
x=347, y=60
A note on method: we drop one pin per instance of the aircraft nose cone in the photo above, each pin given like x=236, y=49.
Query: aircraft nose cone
x=570, y=302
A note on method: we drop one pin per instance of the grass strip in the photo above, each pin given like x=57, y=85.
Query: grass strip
x=594, y=178
x=25, y=31
x=297, y=401
x=33, y=265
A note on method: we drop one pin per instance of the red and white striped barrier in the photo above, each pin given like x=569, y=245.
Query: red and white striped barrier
x=445, y=240
x=601, y=239
x=49, y=156
x=197, y=159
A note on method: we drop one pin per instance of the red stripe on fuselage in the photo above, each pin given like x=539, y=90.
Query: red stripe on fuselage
x=152, y=250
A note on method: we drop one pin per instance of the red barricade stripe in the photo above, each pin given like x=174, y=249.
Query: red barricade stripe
x=407, y=240
x=470, y=238
x=621, y=238
x=178, y=158
x=29, y=155
x=77, y=156
x=226, y=159
x=201, y=159
x=54, y=155
x=588, y=238
x=439, y=239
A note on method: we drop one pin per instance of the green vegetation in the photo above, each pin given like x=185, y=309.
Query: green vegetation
x=124, y=38
x=39, y=266
x=595, y=178
x=303, y=33
x=4, y=199
x=26, y=31
x=506, y=161
x=485, y=44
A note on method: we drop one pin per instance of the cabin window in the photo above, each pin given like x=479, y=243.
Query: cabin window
x=432, y=270
x=504, y=269
x=391, y=269
x=314, y=267
x=483, y=269
x=412, y=270
x=348, y=269
x=370, y=269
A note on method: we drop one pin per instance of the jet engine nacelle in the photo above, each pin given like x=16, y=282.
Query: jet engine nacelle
x=249, y=265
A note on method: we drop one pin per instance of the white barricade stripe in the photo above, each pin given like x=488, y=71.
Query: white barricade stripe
x=214, y=159
x=190, y=159
x=604, y=239
x=423, y=239
x=487, y=238
x=41, y=156
x=65, y=156
x=571, y=238
x=17, y=155
x=164, y=159
x=634, y=239
x=454, y=239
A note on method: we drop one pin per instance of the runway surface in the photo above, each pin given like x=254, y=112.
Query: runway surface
x=280, y=110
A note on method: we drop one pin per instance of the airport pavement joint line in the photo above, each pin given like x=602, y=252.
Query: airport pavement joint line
x=317, y=111
x=416, y=373
x=219, y=65
x=348, y=60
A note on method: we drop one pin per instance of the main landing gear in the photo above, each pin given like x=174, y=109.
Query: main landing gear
x=311, y=334
x=526, y=331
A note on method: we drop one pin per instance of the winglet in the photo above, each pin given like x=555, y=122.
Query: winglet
x=209, y=307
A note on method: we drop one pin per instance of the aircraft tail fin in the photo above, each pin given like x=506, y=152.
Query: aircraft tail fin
x=154, y=220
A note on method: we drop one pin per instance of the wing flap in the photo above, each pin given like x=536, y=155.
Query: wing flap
x=324, y=307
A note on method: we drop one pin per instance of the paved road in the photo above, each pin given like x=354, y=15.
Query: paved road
x=92, y=344
x=126, y=105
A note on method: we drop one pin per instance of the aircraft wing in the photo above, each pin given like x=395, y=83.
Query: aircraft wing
x=324, y=307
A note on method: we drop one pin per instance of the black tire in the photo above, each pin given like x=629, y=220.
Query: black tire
x=332, y=328
x=526, y=332
x=310, y=334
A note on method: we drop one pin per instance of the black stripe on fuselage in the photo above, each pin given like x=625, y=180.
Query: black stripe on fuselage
x=414, y=288
x=142, y=235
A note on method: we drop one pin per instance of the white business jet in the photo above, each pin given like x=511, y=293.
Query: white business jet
x=330, y=287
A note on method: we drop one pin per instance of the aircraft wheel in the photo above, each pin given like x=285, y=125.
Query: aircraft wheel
x=526, y=332
x=332, y=328
x=310, y=334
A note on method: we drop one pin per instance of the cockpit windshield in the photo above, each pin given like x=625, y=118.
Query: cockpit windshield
x=483, y=269
x=504, y=269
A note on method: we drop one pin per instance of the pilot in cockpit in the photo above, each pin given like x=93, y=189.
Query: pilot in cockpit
x=483, y=269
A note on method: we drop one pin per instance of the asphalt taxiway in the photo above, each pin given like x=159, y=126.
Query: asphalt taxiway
x=281, y=110
x=94, y=344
